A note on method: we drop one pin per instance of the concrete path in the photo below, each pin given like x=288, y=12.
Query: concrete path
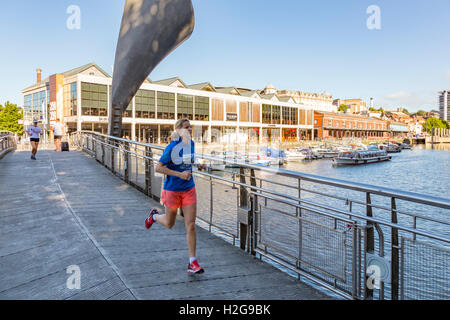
x=67, y=210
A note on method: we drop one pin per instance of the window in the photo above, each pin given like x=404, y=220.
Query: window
x=286, y=115
x=166, y=105
x=276, y=114
x=144, y=104
x=185, y=106
x=201, y=108
x=266, y=113
x=94, y=100
x=70, y=99
x=290, y=116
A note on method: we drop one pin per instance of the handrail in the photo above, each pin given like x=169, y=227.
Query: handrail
x=376, y=190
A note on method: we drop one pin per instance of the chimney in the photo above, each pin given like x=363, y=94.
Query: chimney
x=38, y=71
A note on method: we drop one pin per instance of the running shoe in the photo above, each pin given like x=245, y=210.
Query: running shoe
x=194, y=268
x=149, y=221
x=33, y=157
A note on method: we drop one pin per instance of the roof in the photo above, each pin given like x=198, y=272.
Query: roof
x=286, y=99
x=249, y=93
x=228, y=90
x=201, y=86
x=170, y=81
x=83, y=68
x=269, y=96
x=70, y=73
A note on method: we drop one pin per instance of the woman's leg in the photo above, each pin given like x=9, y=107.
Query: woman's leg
x=190, y=214
x=36, y=145
x=168, y=218
x=33, y=147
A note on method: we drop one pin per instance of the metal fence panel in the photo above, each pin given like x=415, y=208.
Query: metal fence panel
x=425, y=271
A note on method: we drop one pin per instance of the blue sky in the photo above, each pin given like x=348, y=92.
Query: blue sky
x=314, y=46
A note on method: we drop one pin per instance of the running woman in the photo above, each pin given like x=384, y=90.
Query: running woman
x=34, y=131
x=179, y=188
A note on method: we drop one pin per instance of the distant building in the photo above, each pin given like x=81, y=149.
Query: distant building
x=398, y=129
x=337, y=125
x=374, y=114
x=444, y=105
x=356, y=106
x=432, y=114
x=397, y=116
x=319, y=101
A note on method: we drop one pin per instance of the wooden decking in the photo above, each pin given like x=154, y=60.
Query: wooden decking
x=65, y=209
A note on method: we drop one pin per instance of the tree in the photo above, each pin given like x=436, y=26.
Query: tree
x=343, y=107
x=420, y=113
x=10, y=114
x=435, y=123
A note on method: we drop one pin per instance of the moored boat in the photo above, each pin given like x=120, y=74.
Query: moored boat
x=361, y=157
x=294, y=155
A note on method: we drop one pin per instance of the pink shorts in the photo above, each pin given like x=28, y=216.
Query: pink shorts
x=177, y=199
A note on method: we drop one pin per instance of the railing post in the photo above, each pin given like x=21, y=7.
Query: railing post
x=103, y=151
x=125, y=161
x=112, y=143
x=243, y=204
x=369, y=247
x=148, y=171
x=394, y=253
x=253, y=208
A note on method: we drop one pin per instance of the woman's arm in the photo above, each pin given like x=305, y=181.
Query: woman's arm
x=160, y=168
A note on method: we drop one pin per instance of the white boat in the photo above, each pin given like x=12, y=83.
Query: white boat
x=325, y=152
x=293, y=155
x=361, y=157
x=258, y=159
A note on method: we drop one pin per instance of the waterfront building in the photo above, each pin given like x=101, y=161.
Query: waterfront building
x=444, y=105
x=398, y=129
x=81, y=99
x=338, y=125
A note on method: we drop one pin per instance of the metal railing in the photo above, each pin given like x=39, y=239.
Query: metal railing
x=357, y=240
x=8, y=142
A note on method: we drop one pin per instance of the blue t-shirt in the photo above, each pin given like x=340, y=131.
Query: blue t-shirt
x=178, y=156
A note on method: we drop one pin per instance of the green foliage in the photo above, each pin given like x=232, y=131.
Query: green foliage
x=9, y=116
x=435, y=123
x=343, y=107
x=420, y=113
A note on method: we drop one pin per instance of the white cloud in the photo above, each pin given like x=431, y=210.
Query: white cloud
x=398, y=95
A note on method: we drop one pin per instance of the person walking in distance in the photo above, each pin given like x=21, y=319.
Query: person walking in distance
x=179, y=188
x=57, y=135
x=34, y=131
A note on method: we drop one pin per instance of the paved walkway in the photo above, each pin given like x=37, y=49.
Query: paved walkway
x=65, y=209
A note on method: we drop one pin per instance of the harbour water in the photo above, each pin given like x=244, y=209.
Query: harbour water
x=424, y=169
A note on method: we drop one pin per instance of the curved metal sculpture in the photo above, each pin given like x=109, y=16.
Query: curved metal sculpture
x=150, y=30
